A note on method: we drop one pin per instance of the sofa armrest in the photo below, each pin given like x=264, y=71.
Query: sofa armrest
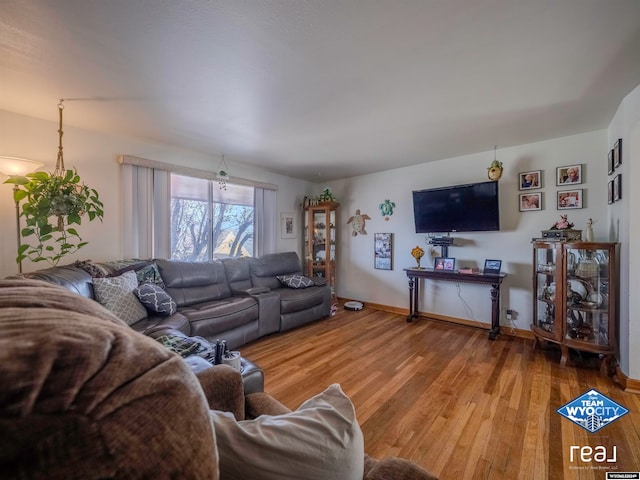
x=223, y=388
x=319, y=281
x=261, y=403
x=250, y=291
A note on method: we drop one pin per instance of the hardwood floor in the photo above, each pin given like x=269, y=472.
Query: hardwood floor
x=449, y=399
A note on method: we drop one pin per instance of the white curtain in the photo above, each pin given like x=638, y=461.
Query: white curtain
x=265, y=221
x=147, y=220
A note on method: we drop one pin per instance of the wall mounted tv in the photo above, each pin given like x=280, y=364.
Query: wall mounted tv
x=474, y=207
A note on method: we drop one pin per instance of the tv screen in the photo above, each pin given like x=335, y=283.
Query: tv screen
x=461, y=208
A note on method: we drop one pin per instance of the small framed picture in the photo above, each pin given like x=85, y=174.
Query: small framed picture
x=383, y=251
x=530, y=201
x=610, y=166
x=530, y=180
x=492, y=267
x=610, y=192
x=617, y=153
x=571, y=174
x=569, y=199
x=444, y=263
x=288, y=225
x=617, y=187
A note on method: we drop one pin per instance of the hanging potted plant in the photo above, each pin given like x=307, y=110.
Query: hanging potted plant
x=52, y=204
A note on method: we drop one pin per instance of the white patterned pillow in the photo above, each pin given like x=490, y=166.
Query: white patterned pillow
x=116, y=295
x=155, y=299
x=295, y=281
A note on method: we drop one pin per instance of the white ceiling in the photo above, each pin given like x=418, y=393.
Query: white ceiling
x=322, y=89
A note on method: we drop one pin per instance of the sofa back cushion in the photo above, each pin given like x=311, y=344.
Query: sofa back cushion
x=189, y=283
x=238, y=273
x=264, y=270
x=68, y=276
x=84, y=396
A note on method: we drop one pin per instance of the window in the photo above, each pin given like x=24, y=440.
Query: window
x=208, y=222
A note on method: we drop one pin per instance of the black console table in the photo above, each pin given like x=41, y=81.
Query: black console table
x=494, y=280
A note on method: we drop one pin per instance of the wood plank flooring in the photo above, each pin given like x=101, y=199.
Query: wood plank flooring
x=447, y=398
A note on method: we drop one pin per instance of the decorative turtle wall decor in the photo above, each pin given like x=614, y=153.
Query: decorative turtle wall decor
x=386, y=209
x=357, y=222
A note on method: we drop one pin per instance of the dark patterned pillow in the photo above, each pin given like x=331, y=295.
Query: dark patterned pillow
x=155, y=299
x=295, y=281
x=146, y=271
x=96, y=270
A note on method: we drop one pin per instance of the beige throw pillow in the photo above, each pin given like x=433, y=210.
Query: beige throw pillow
x=116, y=295
x=321, y=440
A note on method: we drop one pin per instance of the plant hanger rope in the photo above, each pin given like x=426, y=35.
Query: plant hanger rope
x=59, y=171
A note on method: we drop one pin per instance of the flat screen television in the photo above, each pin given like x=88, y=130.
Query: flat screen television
x=473, y=207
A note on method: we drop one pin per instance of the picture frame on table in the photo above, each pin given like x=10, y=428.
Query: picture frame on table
x=446, y=264
x=383, y=251
x=530, y=201
x=617, y=153
x=568, y=199
x=288, y=225
x=569, y=175
x=530, y=180
x=492, y=267
x=617, y=187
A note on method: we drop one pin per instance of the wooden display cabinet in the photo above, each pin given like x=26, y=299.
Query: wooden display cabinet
x=320, y=241
x=575, y=289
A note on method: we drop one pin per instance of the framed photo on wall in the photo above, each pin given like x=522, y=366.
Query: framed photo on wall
x=530, y=201
x=530, y=180
x=610, y=167
x=383, y=251
x=617, y=153
x=569, y=175
x=569, y=199
x=617, y=187
x=288, y=225
x=610, y=192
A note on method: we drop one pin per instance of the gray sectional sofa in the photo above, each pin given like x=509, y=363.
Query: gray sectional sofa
x=238, y=300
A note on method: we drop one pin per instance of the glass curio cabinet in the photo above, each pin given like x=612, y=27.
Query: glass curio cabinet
x=320, y=241
x=574, y=305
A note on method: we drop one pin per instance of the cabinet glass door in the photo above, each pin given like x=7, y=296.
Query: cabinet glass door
x=546, y=290
x=587, y=301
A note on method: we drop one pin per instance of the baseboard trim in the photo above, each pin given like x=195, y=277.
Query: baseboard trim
x=630, y=385
x=514, y=332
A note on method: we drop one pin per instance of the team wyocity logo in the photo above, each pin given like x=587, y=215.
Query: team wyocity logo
x=592, y=411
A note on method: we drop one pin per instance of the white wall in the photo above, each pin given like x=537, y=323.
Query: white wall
x=95, y=156
x=357, y=278
x=626, y=225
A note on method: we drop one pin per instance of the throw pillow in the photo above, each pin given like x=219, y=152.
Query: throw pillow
x=155, y=299
x=295, y=281
x=116, y=295
x=321, y=440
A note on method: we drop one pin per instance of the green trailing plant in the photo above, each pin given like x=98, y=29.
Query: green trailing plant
x=52, y=204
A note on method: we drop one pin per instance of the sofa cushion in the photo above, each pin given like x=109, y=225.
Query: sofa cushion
x=295, y=281
x=155, y=299
x=190, y=283
x=116, y=295
x=296, y=300
x=84, y=396
x=266, y=268
x=320, y=440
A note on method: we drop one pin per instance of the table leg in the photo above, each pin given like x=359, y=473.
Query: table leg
x=495, y=311
x=413, y=298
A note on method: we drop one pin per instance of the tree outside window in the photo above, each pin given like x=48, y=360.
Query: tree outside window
x=208, y=222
